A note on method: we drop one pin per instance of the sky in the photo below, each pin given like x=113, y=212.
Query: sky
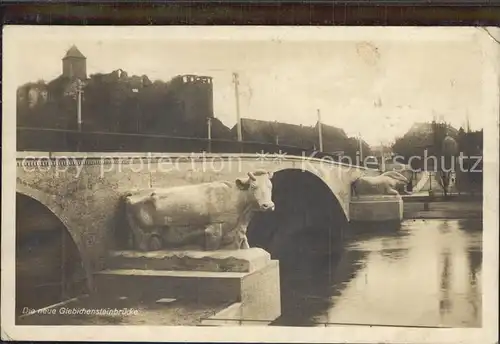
x=366, y=83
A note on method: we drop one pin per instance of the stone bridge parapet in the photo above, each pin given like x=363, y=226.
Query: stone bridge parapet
x=84, y=189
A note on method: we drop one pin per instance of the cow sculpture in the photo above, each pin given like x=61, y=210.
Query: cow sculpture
x=406, y=171
x=209, y=216
x=384, y=184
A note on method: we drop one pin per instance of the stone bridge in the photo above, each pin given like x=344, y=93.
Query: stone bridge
x=83, y=191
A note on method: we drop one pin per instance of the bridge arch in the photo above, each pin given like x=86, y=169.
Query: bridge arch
x=308, y=220
x=306, y=234
x=43, y=236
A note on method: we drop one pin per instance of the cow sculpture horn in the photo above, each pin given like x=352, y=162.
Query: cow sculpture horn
x=251, y=176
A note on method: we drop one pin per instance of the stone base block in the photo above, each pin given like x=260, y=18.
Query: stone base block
x=260, y=301
x=151, y=285
x=376, y=208
x=248, y=260
x=248, y=278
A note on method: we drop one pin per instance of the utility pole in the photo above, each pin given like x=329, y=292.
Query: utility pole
x=137, y=112
x=209, y=134
x=360, y=147
x=467, y=122
x=382, y=158
x=209, y=126
x=237, y=95
x=320, y=132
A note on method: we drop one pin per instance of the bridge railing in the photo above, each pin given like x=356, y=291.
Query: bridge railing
x=61, y=140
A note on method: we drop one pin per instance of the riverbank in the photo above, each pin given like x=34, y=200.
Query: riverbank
x=439, y=197
x=460, y=208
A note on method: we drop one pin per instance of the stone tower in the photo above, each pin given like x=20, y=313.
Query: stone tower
x=196, y=95
x=74, y=64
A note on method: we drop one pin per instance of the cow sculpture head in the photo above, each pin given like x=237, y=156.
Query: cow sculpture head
x=398, y=177
x=260, y=188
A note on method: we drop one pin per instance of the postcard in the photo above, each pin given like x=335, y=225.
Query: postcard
x=313, y=184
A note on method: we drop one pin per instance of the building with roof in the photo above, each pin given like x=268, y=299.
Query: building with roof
x=277, y=133
x=307, y=137
x=74, y=64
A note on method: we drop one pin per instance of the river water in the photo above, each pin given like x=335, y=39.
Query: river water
x=426, y=273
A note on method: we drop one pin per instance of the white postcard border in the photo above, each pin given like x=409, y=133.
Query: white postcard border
x=353, y=334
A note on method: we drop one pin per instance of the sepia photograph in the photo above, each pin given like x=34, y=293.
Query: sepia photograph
x=340, y=180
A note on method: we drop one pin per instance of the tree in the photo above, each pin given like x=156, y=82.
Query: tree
x=445, y=149
x=471, y=145
x=411, y=144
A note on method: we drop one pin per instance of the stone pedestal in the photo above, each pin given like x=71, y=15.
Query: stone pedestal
x=211, y=261
x=247, y=280
x=383, y=208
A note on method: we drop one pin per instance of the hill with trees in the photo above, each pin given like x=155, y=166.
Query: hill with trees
x=119, y=103
x=111, y=102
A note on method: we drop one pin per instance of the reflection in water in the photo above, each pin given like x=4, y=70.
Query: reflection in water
x=307, y=292
x=394, y=254
x=427, y=273
x=445, y=301
x=475, y=260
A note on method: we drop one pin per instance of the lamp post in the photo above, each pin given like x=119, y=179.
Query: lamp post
x=79, y=91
